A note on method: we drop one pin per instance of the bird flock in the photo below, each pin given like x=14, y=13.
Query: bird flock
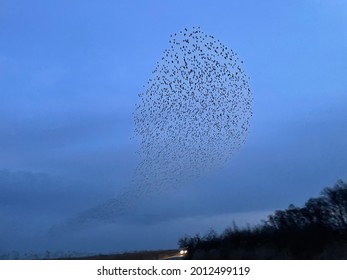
x=194, y=112
x=192, y=116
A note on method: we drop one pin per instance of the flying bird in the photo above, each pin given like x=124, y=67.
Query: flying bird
x=195, y=109
x=191, y=117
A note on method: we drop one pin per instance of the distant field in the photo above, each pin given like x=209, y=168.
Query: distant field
x=141, y=255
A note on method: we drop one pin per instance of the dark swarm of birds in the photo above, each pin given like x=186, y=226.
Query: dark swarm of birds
x=192, y=116
x=194, y=112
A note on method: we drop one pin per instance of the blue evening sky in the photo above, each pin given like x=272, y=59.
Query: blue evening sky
x=70, y=74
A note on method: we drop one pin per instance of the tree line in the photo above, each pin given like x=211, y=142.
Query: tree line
x=317, y=230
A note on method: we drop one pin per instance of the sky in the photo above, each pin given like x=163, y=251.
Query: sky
x=70, y=75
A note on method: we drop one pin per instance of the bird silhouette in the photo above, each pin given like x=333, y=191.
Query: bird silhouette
x=191, y=117
x=205, y=118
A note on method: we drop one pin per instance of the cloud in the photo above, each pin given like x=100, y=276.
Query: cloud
x=84, y=144
x=128, y=236
x=31, y=203
x=43, y=194
x=282, y=165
